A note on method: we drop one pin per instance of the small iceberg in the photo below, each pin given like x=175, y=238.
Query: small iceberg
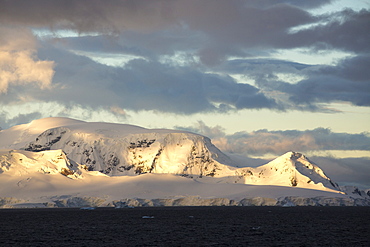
x=87, y=208
x=123, y=206
x=289, y=204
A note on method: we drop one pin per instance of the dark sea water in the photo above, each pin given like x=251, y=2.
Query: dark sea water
x=187, y=226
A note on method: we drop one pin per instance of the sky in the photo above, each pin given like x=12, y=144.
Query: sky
x=258, y=77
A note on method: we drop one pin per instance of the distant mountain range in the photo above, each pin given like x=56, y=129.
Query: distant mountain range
x=61, y=162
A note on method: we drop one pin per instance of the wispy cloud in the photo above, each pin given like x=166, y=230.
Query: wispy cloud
x=262, y=142
x=347, y=171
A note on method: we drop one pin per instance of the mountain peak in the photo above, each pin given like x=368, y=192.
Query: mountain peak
x=292, y=155
x=50, y=157
x=122, y=149
x=300, y=171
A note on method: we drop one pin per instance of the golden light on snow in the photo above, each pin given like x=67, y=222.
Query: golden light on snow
x=100, y=164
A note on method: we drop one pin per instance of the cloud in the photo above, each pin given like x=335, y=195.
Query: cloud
x=25, y=112
x=18, y=63
x=257, y=68
x=179, y=57
x=5, y=122
x=354, y=68
x=184, y=49
x=264, y=142
x=220, y=28
x=141, y=85
x=299, y=3
x=150, y=45
x=212, y=30
x=346, y=30
x=243, y=146
x=118, y=110
x=325, y=89
x=348, y=81
x=348, y=171
x=94, y=16
x=201, y=128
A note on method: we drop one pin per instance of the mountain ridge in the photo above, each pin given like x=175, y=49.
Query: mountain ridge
x=121, y=149
x=88, y=151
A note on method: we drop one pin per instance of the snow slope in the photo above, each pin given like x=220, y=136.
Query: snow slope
x=118, y=149
x=129, y=150
x=18, y=136
x=61, y=161
x=49, y=179
x=290, y=169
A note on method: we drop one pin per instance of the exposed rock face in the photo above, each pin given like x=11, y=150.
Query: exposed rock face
x=184, y=154
x=118, y=149
x=291, y=169
x=47, y=160
x=115, y=149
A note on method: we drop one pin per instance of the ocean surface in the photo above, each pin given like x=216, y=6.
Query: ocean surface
x=187, y=226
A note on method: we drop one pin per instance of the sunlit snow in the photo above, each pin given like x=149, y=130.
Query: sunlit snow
x=60, y=162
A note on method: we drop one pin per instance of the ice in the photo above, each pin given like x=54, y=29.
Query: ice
x=71, y=163
x=87, y=208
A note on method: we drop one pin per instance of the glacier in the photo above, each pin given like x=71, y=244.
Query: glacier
x=61, y=162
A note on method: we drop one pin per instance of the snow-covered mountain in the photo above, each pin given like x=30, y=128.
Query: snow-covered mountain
x=129, y=150
x=119, y=149
x=67, y=154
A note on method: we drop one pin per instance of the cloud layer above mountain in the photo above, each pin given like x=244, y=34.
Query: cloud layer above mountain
x=181, y=56
x=264, y=142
